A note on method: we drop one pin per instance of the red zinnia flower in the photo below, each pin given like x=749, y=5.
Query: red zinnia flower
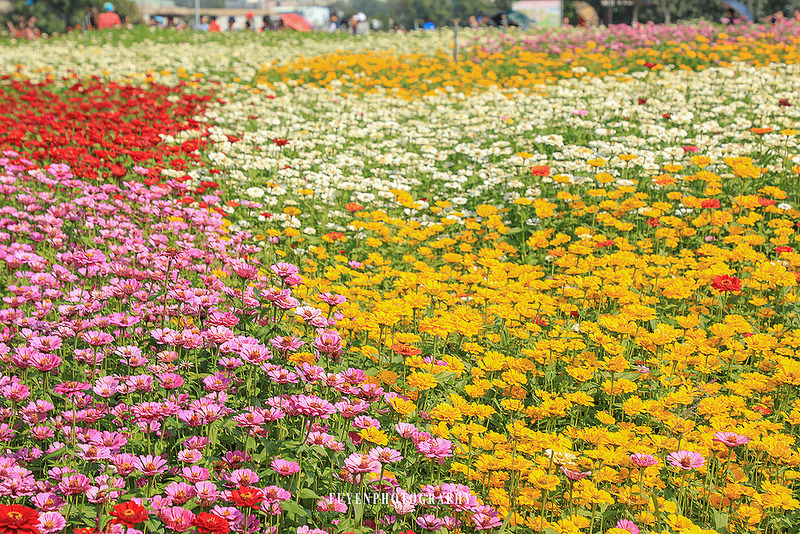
x=405, y=350
x=280, y=142
x=727, y=284
x=353, y=207
x=16, y=519
x=710, y=203
x=129, y=514
x=210, y=523
x=247, y=497
x=540, y=170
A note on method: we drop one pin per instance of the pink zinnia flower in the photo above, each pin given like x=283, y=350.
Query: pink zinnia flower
x=643, y=460
x=361, y=463
x=150, y=465
x=430, y=522
x=686, y=460
x=284, y=467
x=331, y=504
x=177, y=518
x=51, y=522
x=385, y=455
x=630, y=526
x=731, y=439
x=575, y=476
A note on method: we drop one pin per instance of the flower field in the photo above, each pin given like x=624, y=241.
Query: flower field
x=308, y=285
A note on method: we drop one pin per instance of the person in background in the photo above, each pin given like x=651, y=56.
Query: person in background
x=231, y=24
x=213, y=26
x=266, y=24
x=797, y=13
x=249, y=22
x=109, y=18
x=360, y=24
x=90, y=19
x=203, y=27
x=333, y=25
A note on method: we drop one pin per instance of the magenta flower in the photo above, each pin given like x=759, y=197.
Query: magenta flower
x=361, y=463
x=436, y=448
x=643, y=460
x=385, y=455
x=244, y=270
x=686, y=460
x=177, y=518
x=575, y=476
x=284, y=468
x=50, y=522
x=484, y=521
x=329, y=342
x=430, y=522
x=630, y=526
x=731, y=439
x=74, y=484
x=331, y=504
x=150, y=466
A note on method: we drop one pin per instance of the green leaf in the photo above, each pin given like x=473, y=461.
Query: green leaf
x=358, y=509
x=294, y=510
x=307, y=493
x=720, y=521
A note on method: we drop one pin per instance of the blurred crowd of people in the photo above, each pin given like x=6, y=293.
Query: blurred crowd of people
x=25, y=28
x=109, y=18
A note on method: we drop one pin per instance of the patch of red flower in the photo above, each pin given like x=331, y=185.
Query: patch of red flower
x=540, y=170
x=606, y=243
x=245, y=497
x=762, y=409
x=129, y=514
x=100, y=129
x=280, y=141
x=16, y=519
x=727, y=284
x=405, y=350
x=333, y=237
x=209, y=523
x=710, y=203
x=353, y=207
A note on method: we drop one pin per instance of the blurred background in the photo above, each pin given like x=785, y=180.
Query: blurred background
x=58, y=16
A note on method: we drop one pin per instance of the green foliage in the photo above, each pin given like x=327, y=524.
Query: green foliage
x=440, y=13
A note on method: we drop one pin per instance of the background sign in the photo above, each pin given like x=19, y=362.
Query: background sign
x=545, y=13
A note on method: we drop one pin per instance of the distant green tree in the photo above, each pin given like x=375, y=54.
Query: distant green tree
x=405, y=12
x=56, y=16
